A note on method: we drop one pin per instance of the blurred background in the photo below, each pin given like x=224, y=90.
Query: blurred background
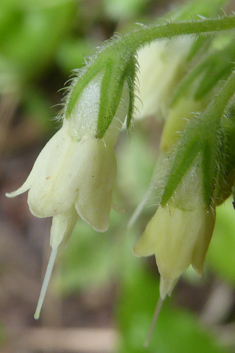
x=100, y=299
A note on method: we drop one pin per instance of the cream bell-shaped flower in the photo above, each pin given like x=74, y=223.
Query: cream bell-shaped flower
x=177, y=238
x=180, y=232
x=161, y=66
x=74, y=174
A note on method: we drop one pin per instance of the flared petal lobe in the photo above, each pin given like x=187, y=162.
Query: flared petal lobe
x=203, y=241
x=56, y=175
x=47, y=161
x=169, y=236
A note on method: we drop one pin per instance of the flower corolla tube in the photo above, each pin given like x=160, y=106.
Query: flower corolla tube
x=161, y=66
x=74, y=174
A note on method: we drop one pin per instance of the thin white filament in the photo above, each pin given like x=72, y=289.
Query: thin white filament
x=155, y=184
x=154, y=321
x=140, y=207
x=45, y=282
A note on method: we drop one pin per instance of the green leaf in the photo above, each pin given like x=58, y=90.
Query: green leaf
x=30, y=36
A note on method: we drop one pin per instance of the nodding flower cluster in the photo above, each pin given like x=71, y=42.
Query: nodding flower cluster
x=197, y=151
x=75, y=172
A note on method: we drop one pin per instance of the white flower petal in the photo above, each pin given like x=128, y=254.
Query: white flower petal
x=58, y=175
x=26, y=186
x=45, y=163
x=44, y=197
x=203, y=241
x=177, y=232
x=146, y=244
x=97, y=178
x=62, y=226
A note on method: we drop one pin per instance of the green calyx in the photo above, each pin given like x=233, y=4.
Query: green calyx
x=210, y=136
x=194, y=141
x=118, y=67
x=226, y=173
x=118, y=71
x=203, y=77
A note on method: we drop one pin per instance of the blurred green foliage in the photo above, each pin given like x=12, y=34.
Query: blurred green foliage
x=122, y=9
x=91, y=258
x=176, y=330
x=220, y=256
x=30, y=34
x=30, y=37
x=41, y=42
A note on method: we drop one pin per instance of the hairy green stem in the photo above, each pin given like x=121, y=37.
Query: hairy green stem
x=146, y=35
x=119, y=53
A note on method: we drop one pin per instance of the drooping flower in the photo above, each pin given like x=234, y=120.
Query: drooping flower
x=177, y=238
x=180, y=231
x=74, y=174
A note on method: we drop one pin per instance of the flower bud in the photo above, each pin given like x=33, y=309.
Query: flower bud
x=161, y=66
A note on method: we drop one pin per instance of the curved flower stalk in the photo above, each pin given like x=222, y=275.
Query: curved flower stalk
x=74, y=174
